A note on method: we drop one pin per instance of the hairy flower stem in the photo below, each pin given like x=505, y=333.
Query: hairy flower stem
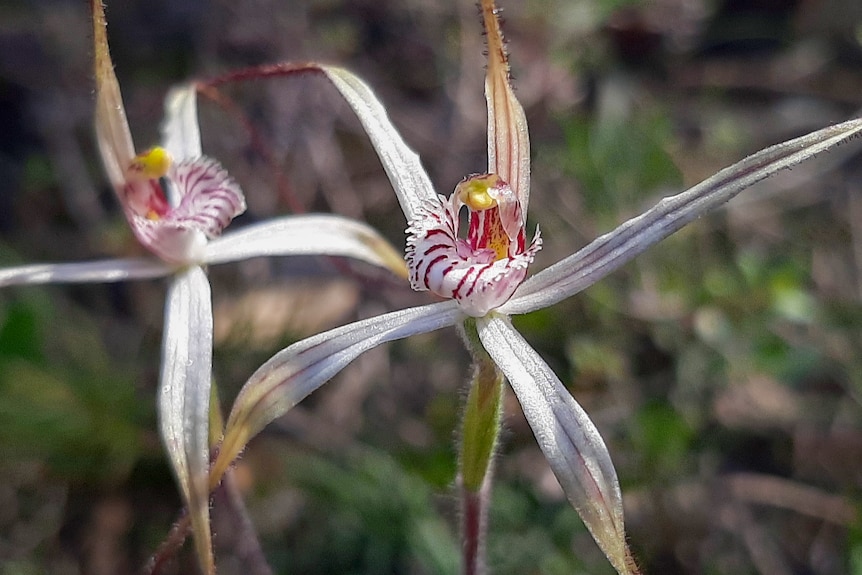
x=244, y=537
x=168, y=549
x=479, y=435
x=246, y=542
x=474, y=525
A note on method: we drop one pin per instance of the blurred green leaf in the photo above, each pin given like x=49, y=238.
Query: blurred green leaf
x=618, y=160
x=531, y=536
x=19, y=337
x=61, y=397
x=663, y=438
x=368, y=516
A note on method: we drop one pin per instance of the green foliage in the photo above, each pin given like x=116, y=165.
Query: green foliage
x=366, y=515
x=528, y=535
x=662, y=438
x=618, y=159
x=62, y=400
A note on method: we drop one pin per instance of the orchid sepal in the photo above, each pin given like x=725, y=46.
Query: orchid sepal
x=570, y=441
x=184, y=396
x=101, y=271
x=614, y=249
x=296, y=371
x=309, y=234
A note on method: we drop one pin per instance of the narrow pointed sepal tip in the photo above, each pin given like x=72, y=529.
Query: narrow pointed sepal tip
x=570, y=441
x=614, y=249
x=508, y=135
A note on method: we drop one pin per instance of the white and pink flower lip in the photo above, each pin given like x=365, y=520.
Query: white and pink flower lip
x=207, y=200
x=481, y=271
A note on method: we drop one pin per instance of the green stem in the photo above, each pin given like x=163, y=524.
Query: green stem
x=480, y=432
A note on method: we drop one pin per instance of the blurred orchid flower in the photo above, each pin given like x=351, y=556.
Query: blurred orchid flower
x=177, y=202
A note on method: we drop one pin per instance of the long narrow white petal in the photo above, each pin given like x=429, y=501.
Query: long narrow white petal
x=184, y=395
x=571, y=443
x=104, y=271
x=306, y=235
x=296, y=371
x=181, y=134
x=402, y=165
x=612, y=250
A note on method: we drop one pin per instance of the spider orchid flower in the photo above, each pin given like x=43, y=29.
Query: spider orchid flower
x=177, y=202
x=482, y=278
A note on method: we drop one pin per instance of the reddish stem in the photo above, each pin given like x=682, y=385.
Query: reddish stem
x=246, y=542
x=474, y=524
x=258, y=142
x=281, y=69
x=168, y=549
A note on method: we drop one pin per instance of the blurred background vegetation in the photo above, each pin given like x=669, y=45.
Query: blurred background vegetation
x=724, y=367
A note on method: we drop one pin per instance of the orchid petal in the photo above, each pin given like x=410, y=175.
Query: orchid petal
x=296, y=371
x=571, y=443
x=184, y=396
x=402, y=165
x=508, y=136
x=112, y=128
x=612, y=250
x=307, y=235
x=181, y=134
x=105, y=271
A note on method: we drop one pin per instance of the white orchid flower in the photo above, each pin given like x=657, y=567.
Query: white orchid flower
x=482, y=278
x=177, y=203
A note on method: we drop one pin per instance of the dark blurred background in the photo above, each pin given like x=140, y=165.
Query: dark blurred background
x=723, y=367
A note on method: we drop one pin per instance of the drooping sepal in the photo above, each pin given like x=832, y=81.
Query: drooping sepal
x=570, y=441
x=183, y=399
